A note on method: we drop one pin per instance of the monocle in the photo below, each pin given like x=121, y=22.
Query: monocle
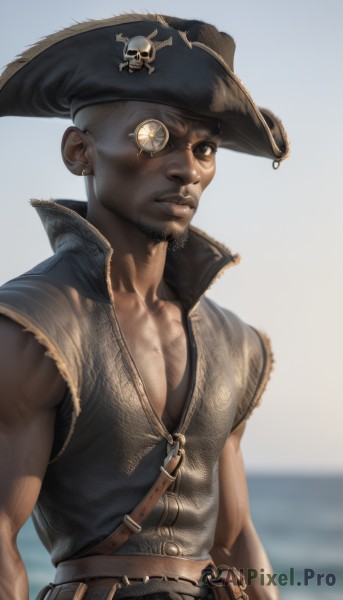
x=150, y=136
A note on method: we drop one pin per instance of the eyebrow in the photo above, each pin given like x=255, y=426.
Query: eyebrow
x=202, y=128
x=210, y=131
x=217, y=130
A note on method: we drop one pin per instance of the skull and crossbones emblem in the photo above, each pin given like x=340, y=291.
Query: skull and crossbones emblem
x=139, y=52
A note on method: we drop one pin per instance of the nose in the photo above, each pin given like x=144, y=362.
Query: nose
x=182, y=167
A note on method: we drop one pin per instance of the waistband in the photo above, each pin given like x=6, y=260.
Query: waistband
x=135, y=567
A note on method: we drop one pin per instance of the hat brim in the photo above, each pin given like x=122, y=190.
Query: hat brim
x=83, y=65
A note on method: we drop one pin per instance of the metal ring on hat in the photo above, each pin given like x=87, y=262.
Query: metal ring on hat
x=151, y=136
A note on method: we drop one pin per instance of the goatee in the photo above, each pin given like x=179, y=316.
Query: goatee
x=156, y=236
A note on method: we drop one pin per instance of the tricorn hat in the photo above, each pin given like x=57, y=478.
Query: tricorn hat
x=153, y=58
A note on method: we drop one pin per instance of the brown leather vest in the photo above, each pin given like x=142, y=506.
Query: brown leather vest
x=109, y=442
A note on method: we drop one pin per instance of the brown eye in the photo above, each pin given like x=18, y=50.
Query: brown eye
x=205, y=149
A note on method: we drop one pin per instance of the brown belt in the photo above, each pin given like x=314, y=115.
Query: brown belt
x=136, y=567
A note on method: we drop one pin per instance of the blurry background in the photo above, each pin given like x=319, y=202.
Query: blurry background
x=287, y=226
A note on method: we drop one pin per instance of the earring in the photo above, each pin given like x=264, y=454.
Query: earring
x=84, y=172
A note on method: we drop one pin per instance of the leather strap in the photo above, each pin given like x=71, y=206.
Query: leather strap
x=131, y=523
x=136, y=567
x=226, y=582
x=227, y=593
x=43, y=593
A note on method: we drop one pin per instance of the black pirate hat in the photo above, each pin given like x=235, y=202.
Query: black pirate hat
x=186, y=64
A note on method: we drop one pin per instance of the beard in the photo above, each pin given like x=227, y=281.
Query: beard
x=156, y=236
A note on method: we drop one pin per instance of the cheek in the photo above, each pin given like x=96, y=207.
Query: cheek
x=125, y=172
x=123, y=161
x=207, y=174
x=120, y=170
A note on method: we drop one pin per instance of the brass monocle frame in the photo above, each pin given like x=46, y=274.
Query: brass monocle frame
x=151, y=136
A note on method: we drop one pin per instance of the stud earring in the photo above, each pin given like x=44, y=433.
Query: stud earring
x=84, y=172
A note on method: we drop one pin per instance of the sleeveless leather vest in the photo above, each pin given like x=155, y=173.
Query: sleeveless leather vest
x=109, y=442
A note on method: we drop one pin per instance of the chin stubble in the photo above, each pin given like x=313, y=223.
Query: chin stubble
x=156, y=236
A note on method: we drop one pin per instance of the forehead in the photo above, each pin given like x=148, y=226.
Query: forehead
x=130, y=113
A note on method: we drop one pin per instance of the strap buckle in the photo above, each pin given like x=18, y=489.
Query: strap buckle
x=172, y=453
x=177, y=448
x=131, y=524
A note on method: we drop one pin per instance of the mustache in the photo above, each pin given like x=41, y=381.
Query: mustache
x=185, y=197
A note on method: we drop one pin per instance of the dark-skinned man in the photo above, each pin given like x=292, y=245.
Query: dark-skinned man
x=124, y=390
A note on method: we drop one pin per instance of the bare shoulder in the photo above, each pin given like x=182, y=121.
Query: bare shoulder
x=29, y=380
x=235, y=437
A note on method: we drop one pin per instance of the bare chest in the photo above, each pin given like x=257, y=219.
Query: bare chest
x=158, y=342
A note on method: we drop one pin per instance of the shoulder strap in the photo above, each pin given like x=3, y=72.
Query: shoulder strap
x=132, y=523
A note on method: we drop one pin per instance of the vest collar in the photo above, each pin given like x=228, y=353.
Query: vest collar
x=190, y=271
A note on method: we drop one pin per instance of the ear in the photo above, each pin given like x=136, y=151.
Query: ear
x=75, y=148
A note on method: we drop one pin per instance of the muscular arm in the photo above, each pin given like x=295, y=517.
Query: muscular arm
x=30, y=388
x=236, y=540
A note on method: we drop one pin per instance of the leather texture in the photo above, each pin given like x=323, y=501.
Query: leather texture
x=151, y=590
x=69, y=591
x=133, y=567
x=132, y=523
x=113, y=442
x=228, y=593
x=232, y=586
x=108, y=574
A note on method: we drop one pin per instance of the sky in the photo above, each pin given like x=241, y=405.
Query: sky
x=286, y=224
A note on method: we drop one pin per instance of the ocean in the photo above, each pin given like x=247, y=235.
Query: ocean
x=298, y=517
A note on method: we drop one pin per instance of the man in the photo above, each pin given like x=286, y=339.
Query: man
x=125, y=391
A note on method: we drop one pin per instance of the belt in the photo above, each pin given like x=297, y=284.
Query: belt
x=136, y=567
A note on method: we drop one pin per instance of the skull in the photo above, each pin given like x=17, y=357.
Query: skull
x=138, y=52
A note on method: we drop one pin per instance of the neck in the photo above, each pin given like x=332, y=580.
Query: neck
x=139, y=263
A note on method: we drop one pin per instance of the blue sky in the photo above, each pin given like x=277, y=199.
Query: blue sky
x=287, y=225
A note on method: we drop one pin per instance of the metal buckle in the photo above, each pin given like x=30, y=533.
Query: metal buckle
x=172, y=453
x=177, y=447
x=131, y=524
